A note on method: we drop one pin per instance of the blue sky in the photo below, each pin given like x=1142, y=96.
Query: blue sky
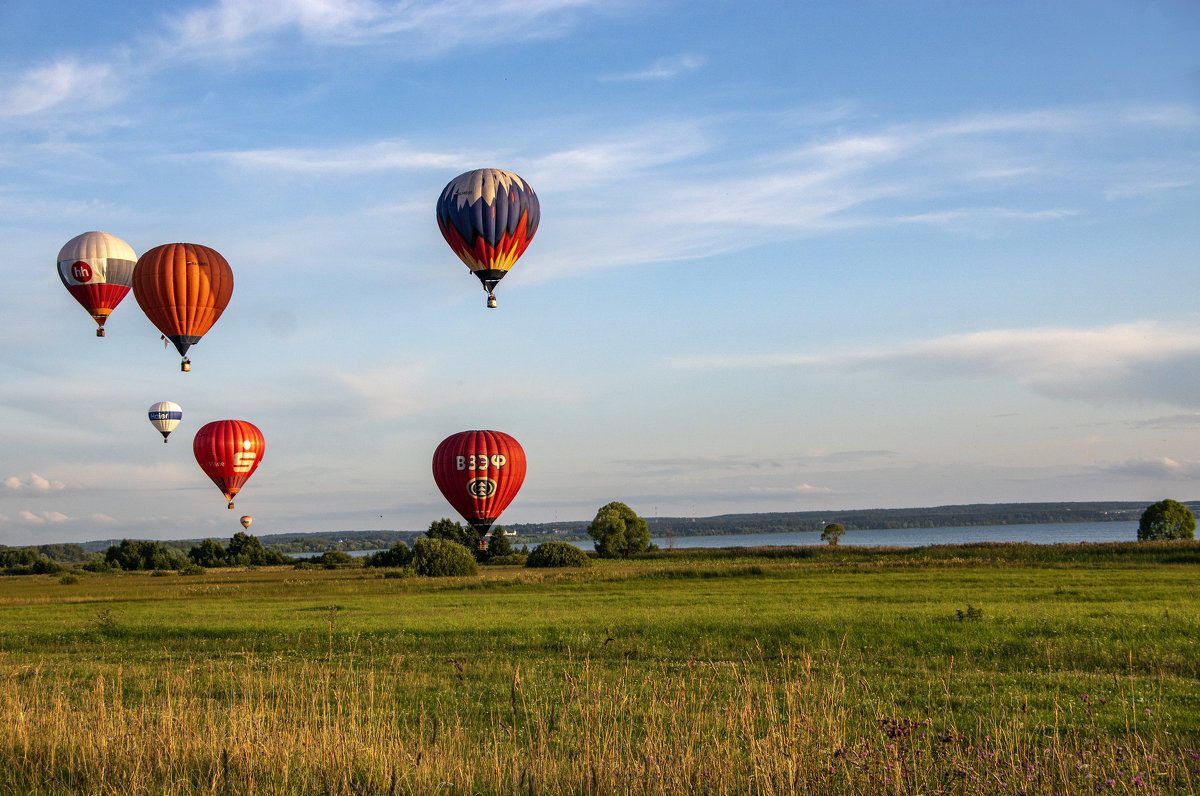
x=792, y=255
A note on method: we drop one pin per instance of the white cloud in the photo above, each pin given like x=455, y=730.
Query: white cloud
x=44, y=87
x=43, y=517
x=387, y=155
x=35, y=483
x=415, y=28
x=1143, y=361
x=662, y=69
x=1161, y=469
x=800, y=490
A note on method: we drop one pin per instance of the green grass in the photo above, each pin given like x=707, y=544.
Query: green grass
x=831, y=669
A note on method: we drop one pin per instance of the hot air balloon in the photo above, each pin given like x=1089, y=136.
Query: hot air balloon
x=97, y=268
x=183, y=288
x=165, y=416
x=228, y=451
x=488, y=217
x=246, y=520
x=480, y=473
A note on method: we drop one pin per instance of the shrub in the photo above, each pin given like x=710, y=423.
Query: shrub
x=331, y=559
x=441, y=558
x=557, y=554
x=69, y=579
x=512, y=560
x=398, y=556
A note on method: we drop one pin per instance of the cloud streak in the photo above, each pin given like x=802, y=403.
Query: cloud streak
x=1144, y=361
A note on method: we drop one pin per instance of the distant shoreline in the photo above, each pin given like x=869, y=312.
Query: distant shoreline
x=962, y=515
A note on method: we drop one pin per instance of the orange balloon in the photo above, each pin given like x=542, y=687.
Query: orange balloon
x=183, y=288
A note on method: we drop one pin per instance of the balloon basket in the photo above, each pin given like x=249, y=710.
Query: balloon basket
x=185, y=365
x=100, y=332
x=230, y=504
x=491, y=302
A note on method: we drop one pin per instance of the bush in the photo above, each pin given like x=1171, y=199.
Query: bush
x=512, y=560
x=398, y=556
x=441, y=558
x=69, y=579
x=557, y=554
x=98, y=565
x=332, y=559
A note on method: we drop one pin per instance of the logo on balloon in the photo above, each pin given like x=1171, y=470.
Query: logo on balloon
x=81, y=272
x=481, y=487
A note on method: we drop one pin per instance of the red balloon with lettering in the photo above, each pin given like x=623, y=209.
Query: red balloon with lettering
x=479, y=472
x=228, y=451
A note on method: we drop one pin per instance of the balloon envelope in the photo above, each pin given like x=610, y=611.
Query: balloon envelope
x=97, y=269
x=479, y=472
x=246, y=520
x=489, y=217
x=228, y=451
x=183, y=288
x=165, y=416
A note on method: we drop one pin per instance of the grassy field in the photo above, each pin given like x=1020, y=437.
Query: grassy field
x=977, y=669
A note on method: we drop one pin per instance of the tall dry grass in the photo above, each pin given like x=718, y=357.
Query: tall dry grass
x=772, y=724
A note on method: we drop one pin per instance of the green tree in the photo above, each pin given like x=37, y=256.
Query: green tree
x=442, y=557
x=245, y=550
x=498, y=544
x=398, y=556
x=832, y=534
x=209, y=553
x=1167, y=519
x=619, y=531
x=133, y=554
x=453, y=531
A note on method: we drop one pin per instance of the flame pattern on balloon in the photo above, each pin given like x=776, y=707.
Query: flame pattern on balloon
x=489, y=217
x=97, y=269
x=229, y=451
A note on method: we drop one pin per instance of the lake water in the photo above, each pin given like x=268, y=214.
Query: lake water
x=1045, y=533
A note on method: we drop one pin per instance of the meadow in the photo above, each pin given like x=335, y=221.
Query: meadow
x=1008, y=669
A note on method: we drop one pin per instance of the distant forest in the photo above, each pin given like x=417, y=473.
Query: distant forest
x=728, y=524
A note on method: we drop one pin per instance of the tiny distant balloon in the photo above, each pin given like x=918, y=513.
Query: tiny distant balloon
x=246, y=520
x=228, y=451
x=165, y=416
x=97, y=269
x=479, y=472
x=489, y=217
x=183, y=288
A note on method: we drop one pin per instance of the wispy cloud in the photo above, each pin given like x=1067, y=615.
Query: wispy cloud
x=380, y=156
x=666, y=68
x=65, y=81
x=416, y=28
x=1162, y=469
x=1144, y=361
x=43, y=517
